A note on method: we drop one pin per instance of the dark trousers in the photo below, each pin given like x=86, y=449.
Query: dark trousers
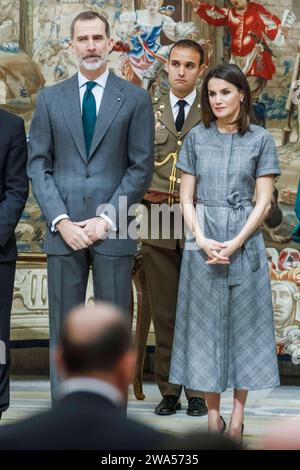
x=162, y=269
x=7, y=276
x=67, y=284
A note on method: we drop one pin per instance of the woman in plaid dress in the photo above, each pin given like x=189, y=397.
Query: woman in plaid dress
x=224, y=334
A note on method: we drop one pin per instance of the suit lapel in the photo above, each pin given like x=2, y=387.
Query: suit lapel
x=70, y=103
x=111, y=102
x=166, y=116
x=193, y=117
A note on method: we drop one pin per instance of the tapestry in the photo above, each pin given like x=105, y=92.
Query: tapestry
x=264, y=41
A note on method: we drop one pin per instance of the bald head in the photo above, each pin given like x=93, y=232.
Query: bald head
x=85, y=323
x=94, y=338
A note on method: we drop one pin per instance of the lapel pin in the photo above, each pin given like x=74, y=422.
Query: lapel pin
x=161, y=106
x=158, y=114
x=118, y=99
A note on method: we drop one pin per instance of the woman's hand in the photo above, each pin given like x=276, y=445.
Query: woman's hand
x=229, y=248
x=213, y=250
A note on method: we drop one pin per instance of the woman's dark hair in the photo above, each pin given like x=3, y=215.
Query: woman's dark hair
x=231, y=74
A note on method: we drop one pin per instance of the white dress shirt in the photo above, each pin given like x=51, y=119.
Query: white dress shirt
x=189, y=100
x=87, y=384
x=97, y=91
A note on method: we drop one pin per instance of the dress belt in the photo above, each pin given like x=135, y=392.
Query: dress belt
x=233, y=201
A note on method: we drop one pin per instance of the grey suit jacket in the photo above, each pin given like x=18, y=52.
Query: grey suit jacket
x=120, y=163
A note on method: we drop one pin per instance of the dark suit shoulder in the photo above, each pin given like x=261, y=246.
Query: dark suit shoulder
x=82, y=420
x=9, y=119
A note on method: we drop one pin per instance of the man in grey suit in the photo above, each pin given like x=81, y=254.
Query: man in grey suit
x=90, y=158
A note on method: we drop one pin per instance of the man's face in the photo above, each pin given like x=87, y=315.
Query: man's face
x=183, y=70
x=91, y=45
x=239, y=4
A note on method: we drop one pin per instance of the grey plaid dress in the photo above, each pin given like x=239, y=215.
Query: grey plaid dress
x=224, y=333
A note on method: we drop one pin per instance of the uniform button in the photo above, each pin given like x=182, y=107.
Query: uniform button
x=178, y=180
x=179, y=142
x=87, y=174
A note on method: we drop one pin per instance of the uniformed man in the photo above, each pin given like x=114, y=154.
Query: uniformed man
x=175, y=114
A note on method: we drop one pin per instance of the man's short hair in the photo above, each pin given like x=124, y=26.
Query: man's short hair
x=87, y=16
x=102, y=352
x=190, y=44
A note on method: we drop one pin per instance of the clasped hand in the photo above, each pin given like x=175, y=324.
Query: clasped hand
x=217, y=252
x=79, y=235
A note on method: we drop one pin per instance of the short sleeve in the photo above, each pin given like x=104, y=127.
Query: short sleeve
x=187, y=157
x=268, y=163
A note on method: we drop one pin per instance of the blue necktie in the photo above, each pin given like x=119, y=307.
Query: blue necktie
x=88, y=115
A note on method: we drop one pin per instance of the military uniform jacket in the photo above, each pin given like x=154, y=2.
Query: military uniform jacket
x=166, y=177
